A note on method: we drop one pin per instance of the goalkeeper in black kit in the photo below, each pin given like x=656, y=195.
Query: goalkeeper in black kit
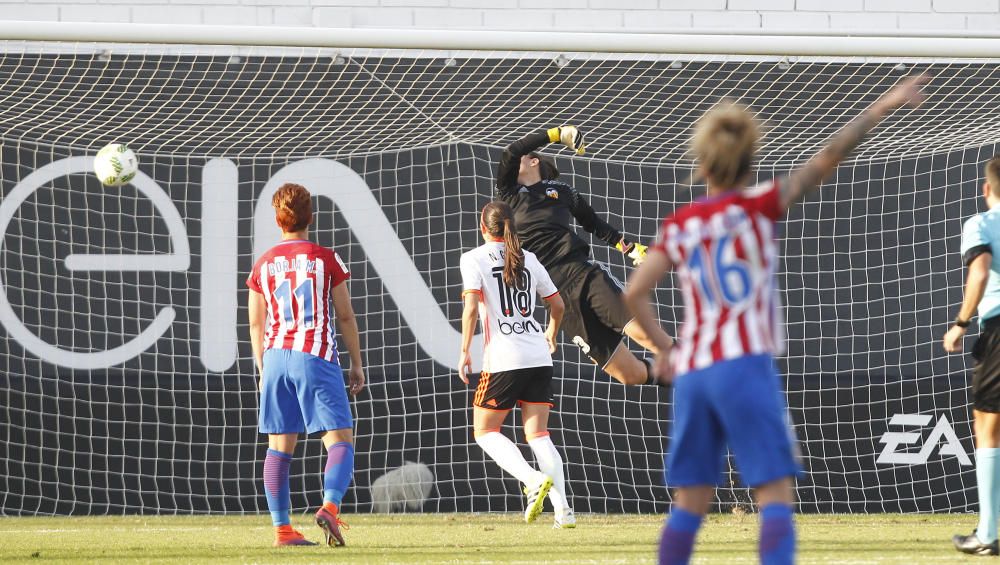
x=596, y=319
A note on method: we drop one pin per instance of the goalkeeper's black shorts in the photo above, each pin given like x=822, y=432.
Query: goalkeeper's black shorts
x=595, y=317
x=986, y=373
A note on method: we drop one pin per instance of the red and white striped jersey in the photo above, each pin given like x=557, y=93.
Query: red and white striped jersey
x=297, y=278
x=726, y=255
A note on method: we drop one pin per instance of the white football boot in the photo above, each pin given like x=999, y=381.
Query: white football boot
x=565, y=520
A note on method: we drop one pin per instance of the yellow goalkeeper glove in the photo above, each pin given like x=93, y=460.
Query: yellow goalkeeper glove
x=568, y=136
x=634, y=251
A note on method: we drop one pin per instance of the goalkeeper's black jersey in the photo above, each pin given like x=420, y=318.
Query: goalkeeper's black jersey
x=544, y=211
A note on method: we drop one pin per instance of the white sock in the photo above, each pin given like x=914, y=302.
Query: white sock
x=551, y=464
x=508, y=457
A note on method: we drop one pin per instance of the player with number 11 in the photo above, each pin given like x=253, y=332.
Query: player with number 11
x=301, y=383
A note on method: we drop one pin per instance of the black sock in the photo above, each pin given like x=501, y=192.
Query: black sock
x=650, y=378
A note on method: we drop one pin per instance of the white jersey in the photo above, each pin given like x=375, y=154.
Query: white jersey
x=514, y=339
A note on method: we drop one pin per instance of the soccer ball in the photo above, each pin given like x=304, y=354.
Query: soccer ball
x=115, y=164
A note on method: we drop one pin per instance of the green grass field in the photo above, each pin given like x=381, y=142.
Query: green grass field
x=465, y=538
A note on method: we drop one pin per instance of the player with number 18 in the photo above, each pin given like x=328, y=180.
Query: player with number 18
x=500, y=283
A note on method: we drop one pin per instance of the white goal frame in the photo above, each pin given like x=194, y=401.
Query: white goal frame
x=892, y=54
x=966, y=44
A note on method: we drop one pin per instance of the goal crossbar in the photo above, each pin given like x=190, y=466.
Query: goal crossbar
x=858, y=45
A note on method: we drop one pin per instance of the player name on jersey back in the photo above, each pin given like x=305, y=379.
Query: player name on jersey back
x=283, y=265
x=514, y=338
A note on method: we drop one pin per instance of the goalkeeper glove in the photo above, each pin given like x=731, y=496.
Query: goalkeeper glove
x=568, y=136
x=634, y=251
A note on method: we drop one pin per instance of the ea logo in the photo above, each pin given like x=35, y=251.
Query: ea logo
x=942, y=438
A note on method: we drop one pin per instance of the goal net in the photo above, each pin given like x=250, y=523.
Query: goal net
x=126, y=379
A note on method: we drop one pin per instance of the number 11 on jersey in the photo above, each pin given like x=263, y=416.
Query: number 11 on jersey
x=304, y=295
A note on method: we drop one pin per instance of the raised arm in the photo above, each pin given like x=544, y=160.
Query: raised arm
x=800, y=182
x=510, y=159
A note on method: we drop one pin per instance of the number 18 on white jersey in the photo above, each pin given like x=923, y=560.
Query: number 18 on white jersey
x=514, y=338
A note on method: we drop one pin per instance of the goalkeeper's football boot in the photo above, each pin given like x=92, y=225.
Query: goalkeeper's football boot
x=536, y=498
x=285, y=536
x=329, y=521
x=970, y=544
x=565, y=520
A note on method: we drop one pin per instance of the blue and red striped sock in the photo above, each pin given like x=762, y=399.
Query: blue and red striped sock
x=337, y=475
x=276, y=466
x=777, y=535
x=677, y=541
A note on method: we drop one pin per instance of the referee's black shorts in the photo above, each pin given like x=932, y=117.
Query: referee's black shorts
x=595, y=316
x=986, y=373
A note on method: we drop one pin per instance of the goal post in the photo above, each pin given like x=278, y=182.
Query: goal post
x=126, y=381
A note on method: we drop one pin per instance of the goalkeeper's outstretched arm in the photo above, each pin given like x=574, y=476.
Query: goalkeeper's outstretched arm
x=510, y=160
x=602, y=230
x=796, y=185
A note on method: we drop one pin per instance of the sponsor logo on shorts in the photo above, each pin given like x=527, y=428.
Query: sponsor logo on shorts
x=583, y=345
x=942, y=435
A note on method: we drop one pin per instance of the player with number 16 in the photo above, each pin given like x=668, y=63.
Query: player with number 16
x=727, y=391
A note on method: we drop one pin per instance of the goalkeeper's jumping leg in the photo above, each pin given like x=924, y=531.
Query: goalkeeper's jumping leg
x=628, y=369
x=648, y=342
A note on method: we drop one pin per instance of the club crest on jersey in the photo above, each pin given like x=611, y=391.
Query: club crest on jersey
x=552, y=193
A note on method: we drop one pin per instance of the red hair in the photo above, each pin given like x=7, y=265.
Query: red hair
x=292, y=207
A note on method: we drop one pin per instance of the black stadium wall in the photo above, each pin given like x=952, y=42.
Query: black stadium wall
x=870, y=277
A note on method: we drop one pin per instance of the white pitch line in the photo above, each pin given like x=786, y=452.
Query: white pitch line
x=135, y=529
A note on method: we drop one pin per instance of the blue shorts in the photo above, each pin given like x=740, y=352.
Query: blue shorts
x=302, y=393
x=737, y=403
